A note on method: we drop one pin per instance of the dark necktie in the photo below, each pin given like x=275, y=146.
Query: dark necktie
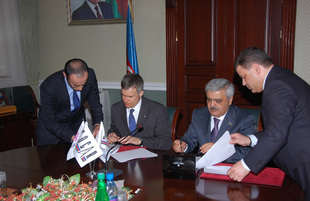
x=76, y=101
x=132, y=122
x=215, y=129
x=99, y=16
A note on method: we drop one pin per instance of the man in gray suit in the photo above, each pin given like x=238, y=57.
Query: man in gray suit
x=135, y=110
x=211, y=122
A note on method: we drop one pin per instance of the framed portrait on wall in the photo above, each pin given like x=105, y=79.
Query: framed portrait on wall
x=84, y=12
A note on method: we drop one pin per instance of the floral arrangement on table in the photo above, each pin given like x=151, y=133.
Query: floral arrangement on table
x=64, y=189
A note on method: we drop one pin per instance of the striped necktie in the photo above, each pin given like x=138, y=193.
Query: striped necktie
x=99, y=16
x=215, y=129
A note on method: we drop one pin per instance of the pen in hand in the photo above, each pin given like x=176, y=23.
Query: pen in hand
x=181, y=145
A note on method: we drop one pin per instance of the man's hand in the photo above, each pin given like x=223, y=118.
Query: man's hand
x=240, y=139
x=96, y=130
x=237, y=172
x=112, y=138
x=205, y=147
x=130, y=140
x=177, y=146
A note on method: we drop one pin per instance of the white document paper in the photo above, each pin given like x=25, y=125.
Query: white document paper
x=217, y=170
x=219, y=152
x=125, y=156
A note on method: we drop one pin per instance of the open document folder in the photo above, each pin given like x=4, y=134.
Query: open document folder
x=133, y=154
x=219, y=152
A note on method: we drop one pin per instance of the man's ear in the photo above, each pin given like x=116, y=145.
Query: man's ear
x=257, y=69
x=230, y=100
x=141, y=93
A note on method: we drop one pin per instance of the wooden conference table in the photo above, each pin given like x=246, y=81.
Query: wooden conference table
x=31, y=164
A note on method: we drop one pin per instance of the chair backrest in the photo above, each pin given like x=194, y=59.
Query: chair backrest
x=25, y=100
x=256, y=112
x=175, y=114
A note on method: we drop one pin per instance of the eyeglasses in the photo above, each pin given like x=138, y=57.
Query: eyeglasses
x=74, y=86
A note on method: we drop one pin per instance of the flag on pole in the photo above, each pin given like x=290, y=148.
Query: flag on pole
x=132, y=61
x=102, y=141
x=70, y=154
x=86, y=148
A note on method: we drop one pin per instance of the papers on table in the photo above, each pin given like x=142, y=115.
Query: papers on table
x=133, y=154
x=219, y=152
x=216, y=169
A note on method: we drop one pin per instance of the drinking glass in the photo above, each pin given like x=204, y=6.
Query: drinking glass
x=2, y=180
x=91, y=174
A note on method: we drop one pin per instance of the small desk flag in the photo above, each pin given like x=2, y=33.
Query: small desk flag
x=85, y=148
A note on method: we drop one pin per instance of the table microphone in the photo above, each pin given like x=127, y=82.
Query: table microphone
x=138, y=129
x=118, y=172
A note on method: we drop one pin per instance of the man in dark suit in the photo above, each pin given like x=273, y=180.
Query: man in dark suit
x=139, y=111
x=219, y=94
x=62, y=97
x=286, y=117
x=93, y=9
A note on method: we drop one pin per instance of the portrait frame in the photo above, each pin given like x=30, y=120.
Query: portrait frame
x=73, y=5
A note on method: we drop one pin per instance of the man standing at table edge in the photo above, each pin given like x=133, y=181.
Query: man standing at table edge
x=135, y=110
x=286, y=117
x=63, y=95
x=219, y=98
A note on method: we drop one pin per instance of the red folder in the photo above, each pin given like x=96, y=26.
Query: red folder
x=127, y=148
x=268, y=176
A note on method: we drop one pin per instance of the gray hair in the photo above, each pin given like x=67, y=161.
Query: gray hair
x=252, y=55
x=132, y=80
x=220, y=83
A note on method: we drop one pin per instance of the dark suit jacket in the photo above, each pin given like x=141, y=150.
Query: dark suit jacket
x=154, y=119
x=286, y=117
x=236, y=120
x=56, y=123
x=84, y=12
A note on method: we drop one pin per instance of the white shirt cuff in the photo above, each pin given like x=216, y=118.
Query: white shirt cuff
x=244, y=165
x=253, y=140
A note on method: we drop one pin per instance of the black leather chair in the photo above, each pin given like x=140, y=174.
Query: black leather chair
x=26, y=101
x=175, y=114
x=257, y=114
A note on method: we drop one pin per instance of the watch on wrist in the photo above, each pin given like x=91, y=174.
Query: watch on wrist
x=141, y=139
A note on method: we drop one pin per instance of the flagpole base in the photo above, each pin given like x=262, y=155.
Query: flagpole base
x=116, y=172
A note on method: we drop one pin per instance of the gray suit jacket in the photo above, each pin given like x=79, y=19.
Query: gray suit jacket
x=236, y=120
x=154, y=119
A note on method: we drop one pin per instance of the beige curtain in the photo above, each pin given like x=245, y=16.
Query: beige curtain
x=12, y=63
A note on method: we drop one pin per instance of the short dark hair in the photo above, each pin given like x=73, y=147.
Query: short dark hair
x=72, y=68
x=132, y=80
x=252, y=55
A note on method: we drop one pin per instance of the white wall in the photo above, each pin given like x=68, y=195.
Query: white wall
x=302, y=40
x=103, y=46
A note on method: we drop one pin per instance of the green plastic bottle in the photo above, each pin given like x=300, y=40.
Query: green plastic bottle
x=102, y=194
